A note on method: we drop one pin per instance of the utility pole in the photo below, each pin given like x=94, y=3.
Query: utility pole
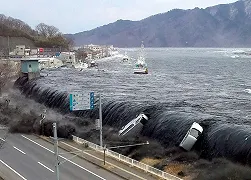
x=57, y=162
x=56, y=149
x=8, y=46
x=100, y=120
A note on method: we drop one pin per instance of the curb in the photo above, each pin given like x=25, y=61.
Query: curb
x=85, y=159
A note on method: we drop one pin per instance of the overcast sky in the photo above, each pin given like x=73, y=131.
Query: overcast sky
x=72, y=16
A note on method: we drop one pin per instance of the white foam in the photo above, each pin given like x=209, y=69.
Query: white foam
x=247, y=91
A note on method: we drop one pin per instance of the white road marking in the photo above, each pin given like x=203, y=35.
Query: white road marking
x=45, y=166
x=19, y=150
x=63, y=157
x=13, y=170
x=2, y=139
x=103, y=160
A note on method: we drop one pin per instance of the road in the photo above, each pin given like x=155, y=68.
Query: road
x=26, y=157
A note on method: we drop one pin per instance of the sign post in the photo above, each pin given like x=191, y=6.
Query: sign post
x=80, y=101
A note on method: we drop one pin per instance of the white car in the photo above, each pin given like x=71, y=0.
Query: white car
x=191, y=137
x=140, y=120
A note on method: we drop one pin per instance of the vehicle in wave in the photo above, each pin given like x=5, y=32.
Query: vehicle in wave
x=134, y=125
x=191, y=137
x=140, y=65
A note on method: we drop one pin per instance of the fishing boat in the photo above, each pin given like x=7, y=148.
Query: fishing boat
x=92, y=64
x=125, y=58
x=140, y=65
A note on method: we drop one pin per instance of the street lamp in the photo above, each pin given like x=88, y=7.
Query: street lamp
x=57, y=154
x=129, y=145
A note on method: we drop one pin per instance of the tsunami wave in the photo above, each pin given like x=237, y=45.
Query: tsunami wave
x=168, y=122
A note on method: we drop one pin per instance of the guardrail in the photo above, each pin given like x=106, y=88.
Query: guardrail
x=127, y=160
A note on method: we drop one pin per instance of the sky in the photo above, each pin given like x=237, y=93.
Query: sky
x=72, y=16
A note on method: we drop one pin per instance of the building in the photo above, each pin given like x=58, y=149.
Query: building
x=68, y=58
x=30, y=68
x=93, y=47
x=46, y=63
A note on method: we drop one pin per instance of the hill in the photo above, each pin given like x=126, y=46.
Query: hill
x=224, y=25
x=16, y=32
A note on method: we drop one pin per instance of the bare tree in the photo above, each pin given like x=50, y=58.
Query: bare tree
x=42, y=29
x=47, y=31
x=53, y=31
x=70, y=41
x=5, y=74
x=13, y=23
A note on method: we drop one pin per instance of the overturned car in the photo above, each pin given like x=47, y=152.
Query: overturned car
x=134, y=125
x=191, y=137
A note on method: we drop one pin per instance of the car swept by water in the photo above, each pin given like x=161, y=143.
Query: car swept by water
x=133, y=125
x=191, y=137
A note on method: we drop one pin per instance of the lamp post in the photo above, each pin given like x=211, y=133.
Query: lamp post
x=129, y=145
x=57, y=154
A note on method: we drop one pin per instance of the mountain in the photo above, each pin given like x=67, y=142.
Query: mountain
x=224, y=25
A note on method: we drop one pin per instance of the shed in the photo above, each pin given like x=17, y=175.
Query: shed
x=29, y=65
x=30, y=68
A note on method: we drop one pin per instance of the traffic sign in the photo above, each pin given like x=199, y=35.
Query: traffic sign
x=81, y=101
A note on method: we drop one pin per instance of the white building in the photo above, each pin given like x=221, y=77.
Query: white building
x=68, y=58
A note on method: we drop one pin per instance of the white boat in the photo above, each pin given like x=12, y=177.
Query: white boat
x=81, y=65
x=92, y=64
x=141, y=70
x=125, y=58
x=140, y=65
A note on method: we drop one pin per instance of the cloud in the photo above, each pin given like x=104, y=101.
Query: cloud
x=79, y=15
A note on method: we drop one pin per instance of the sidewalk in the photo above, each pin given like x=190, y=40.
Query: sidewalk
x=97, y=158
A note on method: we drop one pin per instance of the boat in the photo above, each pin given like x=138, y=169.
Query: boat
x=140, y=65
x=81, y=65
x=125, y=58
x=140, y=70
x=92, y=64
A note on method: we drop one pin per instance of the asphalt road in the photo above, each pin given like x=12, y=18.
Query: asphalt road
x=26, y=157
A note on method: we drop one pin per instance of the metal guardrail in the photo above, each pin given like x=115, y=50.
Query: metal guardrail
x=127, y=160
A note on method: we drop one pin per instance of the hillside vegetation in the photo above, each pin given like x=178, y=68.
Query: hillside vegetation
x=42, y=36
